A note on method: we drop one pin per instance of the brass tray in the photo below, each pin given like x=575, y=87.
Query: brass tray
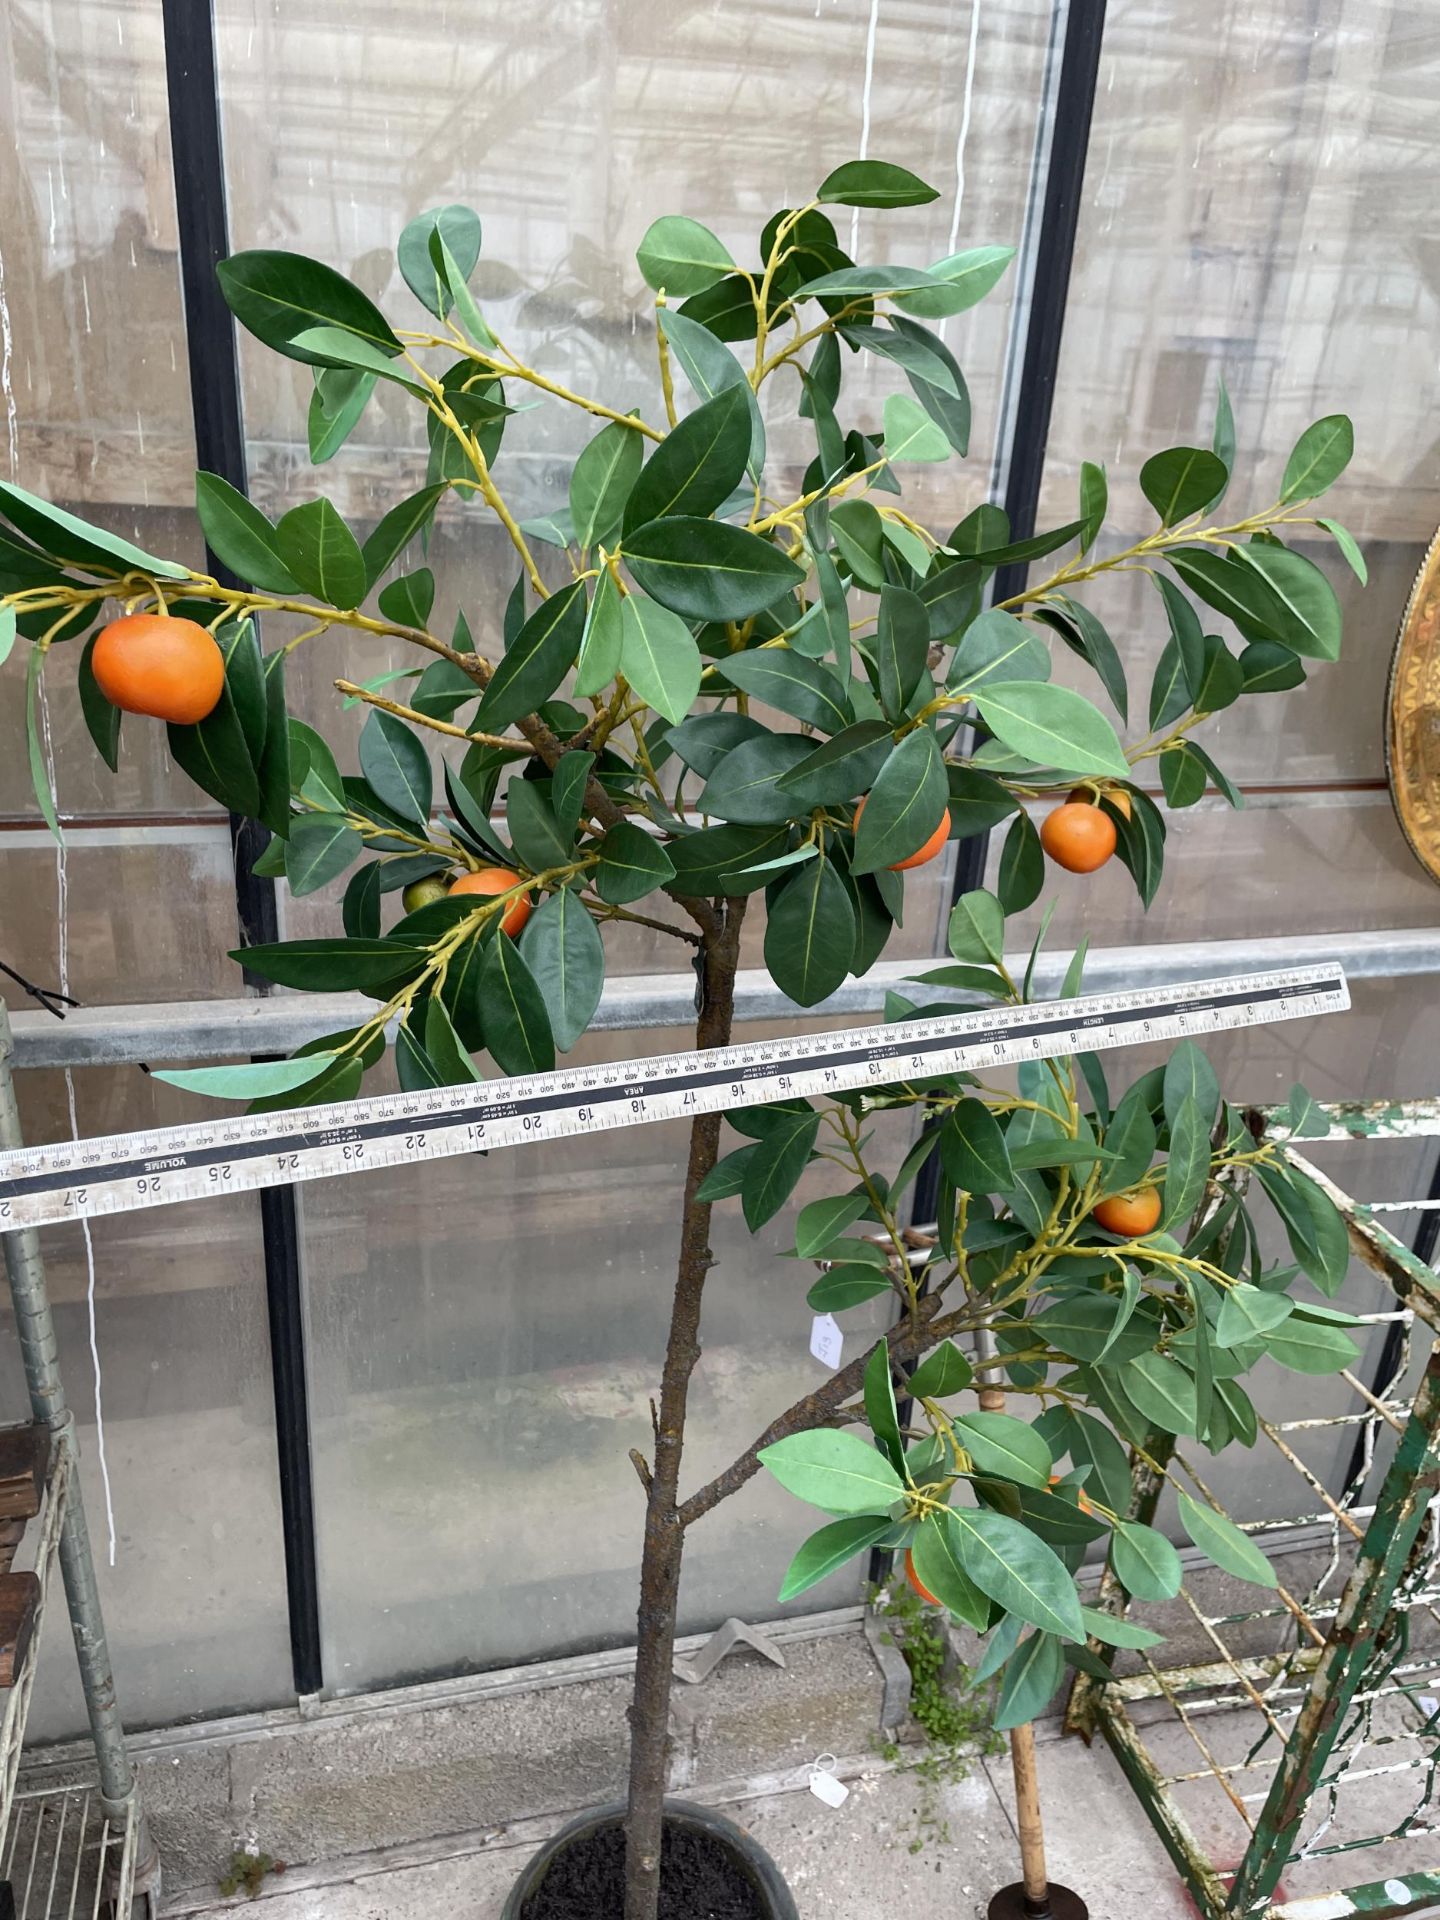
x=1412, y=716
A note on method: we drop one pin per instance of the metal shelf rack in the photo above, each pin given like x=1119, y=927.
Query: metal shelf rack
x=77, y=1850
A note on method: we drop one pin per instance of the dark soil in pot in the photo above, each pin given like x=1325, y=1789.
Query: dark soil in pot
x=700, y=1879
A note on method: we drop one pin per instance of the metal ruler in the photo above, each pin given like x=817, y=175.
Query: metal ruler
x=116, y=1173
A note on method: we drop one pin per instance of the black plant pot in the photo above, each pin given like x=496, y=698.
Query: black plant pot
x=772, y=1897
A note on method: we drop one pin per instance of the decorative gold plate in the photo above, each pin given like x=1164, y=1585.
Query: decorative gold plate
x=1412, y=720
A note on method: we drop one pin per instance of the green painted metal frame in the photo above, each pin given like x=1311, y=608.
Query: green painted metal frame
x=1365, y=1622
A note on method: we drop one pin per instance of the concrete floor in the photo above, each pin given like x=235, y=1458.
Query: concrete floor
x=425, y=1803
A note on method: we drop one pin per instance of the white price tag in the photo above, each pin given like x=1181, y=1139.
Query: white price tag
x=826, y=1343
x=824, y=1785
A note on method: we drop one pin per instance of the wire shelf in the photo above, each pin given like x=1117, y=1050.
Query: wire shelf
x=66, y=1859
x=1310, y=1734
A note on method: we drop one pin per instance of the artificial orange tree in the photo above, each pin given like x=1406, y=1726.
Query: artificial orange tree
x=720, y=696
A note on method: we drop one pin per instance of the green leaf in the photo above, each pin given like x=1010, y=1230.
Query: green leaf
x=976, y=930
x=1052, y=725
x=632, y=864
x=334, y=348
x=1085, y=636
x=1321, y=455
x=459, y=227
x=331, y=966
x=810, y=934
x=973, y=1150
x=564, y=952
x=1181, y=481
x=997, y=646
x=1247, y=1313
x=1313, y=1225
x=444, y=1049
x=714, y=859
x=1220, y=1540
x=39, y=774
x=1021, y=878
x=1094, y=502
x=240, y=536
x=1349, y=548
x=1007, y=1562
x=601, y=480
x=408, y=602
x=837, y=1472
x=830, y=1548
x=1115, y=1632
x=1163, y=1391
x=698, y=465
x=998, y=1443
x=772, y=1177
x=967, y=278
x=320, y=552
x=845, y=1286
x=278, y=296
x=321, y=846
x=398, y=528
x=941, y=1373
x=880, y=1411
x=844, y=767
x=1032, y=1674
x=905, y=805
x=743, y=787
x=533, y=827
x=913, y=351
x=1222, y=441
x=340, y=396
x=707, y=570
x=1310, y=621
x=1145, y=1563
x=1306, y=1346
x=711, y=368
x=910, y=433
x=874, y=183
x=216, y=754
x=246, y=1080
x=727, y=1176
x=600, y=647
x=1189, y=1072
x=7, y=641
x=513, y=1011
x=71, y=539
x=567, y=792
x=1232, y=589
x=936, y=1553
x=397, y=766
x=1267, y=667
x=659, y=657
x=536, y=661
x=102, y=721
x=360, y=908
x=789, y=682
x=822, y=1220
x=678, y=256
x=901, y=648
x=314, y=765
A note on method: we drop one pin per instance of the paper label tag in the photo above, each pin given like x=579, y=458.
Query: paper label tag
x=826, y=1343
x=826, y=1787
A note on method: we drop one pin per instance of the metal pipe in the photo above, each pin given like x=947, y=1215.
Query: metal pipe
x=224, y=1029
x=35, y=1327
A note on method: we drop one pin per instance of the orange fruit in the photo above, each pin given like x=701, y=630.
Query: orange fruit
x=423, y=893
x=153, y=663
x=498, y=880
x=1131, y=1215
x=1118, y=797
x=1078, y=836
x=916, y=1582
x=934, y=845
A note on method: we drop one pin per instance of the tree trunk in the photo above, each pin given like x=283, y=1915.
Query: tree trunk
x=664, y=1534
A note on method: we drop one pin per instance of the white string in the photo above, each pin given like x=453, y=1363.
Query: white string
x=865, y=112
x=62, y=882
x=964, y=125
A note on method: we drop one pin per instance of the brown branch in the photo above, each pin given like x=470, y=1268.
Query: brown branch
x=907, y=1339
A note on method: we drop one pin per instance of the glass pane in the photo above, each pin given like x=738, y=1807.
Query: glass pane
x=485, y=1336
x=195, y=1602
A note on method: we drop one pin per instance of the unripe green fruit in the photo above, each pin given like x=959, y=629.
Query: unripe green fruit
x=420, y=893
